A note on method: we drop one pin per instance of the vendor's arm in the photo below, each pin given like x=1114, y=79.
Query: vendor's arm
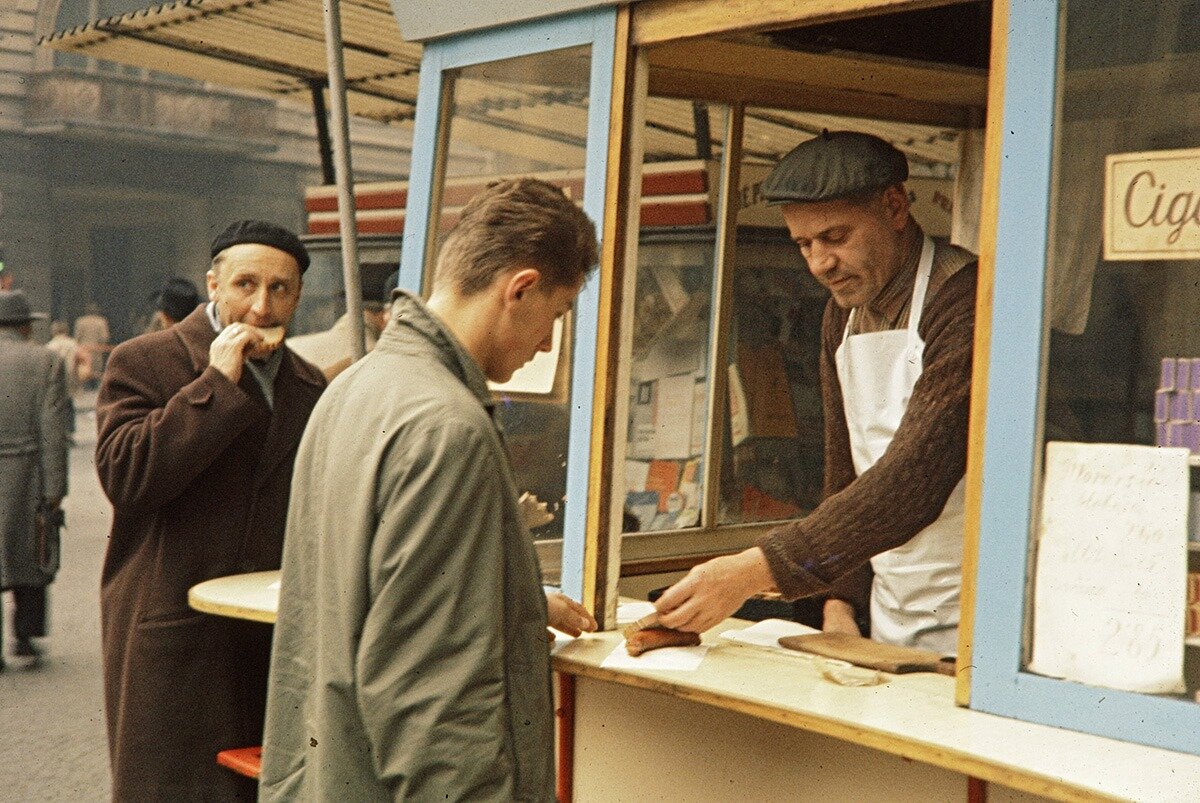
x=907, y=488
x=429, y=667
x=149, y=448
x=713, y=590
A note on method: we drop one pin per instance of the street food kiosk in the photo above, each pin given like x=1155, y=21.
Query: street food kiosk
x=1059, y=141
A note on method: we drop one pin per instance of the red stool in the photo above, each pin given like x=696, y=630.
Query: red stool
x=242, y=760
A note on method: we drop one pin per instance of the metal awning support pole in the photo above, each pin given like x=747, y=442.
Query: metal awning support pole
x=344, y=175
x=321, y=115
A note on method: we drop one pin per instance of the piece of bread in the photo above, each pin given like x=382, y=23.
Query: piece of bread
x=652, y=638
x=272, y=337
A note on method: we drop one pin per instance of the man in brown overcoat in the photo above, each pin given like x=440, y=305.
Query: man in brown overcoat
x=198, y=429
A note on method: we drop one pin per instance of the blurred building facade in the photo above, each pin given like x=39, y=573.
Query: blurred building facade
x=113, y=177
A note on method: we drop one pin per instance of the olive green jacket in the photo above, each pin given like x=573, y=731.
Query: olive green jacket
x=410, y=657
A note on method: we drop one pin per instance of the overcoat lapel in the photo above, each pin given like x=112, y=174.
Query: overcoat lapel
x=295, y=394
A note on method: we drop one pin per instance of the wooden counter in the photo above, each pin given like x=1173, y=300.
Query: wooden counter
x=910, y=716
x=767, y=721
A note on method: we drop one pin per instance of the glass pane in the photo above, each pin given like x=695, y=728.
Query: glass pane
x=773, y=461
x=1111, y=604
x=525, y=116
x=324, y=298
x=672, y=311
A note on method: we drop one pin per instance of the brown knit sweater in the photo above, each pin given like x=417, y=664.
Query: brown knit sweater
x=828, y=551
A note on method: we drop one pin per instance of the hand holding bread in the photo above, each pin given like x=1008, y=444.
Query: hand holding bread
x=239, y=341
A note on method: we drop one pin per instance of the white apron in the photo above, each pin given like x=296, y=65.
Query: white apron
x=915, y=595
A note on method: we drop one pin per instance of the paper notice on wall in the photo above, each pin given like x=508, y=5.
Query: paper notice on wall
x=1111, y=567
x=673, y=417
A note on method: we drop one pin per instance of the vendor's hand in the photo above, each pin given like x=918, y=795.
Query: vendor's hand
x=228, y=352
x=533, y=511
x=712, y=591
x=839, y=618
x=568, y=615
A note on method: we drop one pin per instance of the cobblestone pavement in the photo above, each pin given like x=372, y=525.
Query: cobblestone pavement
x=52, y=738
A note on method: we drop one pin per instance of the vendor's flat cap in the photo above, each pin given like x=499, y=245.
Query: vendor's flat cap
x=832, y=165
x=263, y=233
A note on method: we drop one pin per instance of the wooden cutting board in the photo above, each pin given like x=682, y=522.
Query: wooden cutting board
x=871, y=654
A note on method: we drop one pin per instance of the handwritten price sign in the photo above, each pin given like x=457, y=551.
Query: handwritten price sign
x=1111, y=565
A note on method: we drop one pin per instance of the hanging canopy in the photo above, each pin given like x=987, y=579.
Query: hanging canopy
x=275, y=46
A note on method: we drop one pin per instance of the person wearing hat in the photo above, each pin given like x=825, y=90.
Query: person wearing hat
x=175, y=300
x=33, y=468
x=331, y=350
x=896, y=375
x=197, y=431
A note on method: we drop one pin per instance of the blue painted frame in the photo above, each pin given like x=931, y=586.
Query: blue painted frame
x=596, y=28
x=998, y=683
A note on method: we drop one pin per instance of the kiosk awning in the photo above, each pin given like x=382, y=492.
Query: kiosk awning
x=277, y=46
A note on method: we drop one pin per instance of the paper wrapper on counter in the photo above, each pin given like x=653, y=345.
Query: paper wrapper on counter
x=871, y=654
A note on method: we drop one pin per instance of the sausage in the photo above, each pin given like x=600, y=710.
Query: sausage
x=652, y=638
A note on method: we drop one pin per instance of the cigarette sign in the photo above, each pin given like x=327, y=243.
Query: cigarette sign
x=1152, y=205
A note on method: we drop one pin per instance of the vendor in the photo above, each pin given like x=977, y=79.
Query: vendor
x=896, y=375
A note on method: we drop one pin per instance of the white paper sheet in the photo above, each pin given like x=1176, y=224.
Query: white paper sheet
x=768, y=632
x=1111, y=567
x=673, y=417
x=632, y=611
x=636, y=473
x=274, y=586
x=680, y=659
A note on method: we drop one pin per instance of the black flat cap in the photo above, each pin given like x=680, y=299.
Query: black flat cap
x=835, y=164
x=263, y=233
x=178, y=297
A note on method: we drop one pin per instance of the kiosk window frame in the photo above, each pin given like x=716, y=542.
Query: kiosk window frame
x=1010, y=435
x=441, y=59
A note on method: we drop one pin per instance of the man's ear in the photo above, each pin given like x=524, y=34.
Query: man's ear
x=895, y=202
x=210, y=279
x=521, y=282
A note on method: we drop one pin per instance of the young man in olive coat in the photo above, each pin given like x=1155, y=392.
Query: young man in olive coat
x=411, y=659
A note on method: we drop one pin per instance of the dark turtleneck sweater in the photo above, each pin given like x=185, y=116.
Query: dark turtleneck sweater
x=828, y=551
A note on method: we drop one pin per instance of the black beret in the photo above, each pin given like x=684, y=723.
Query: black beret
x=835, y=164
x=263, y=233
x=178, y=297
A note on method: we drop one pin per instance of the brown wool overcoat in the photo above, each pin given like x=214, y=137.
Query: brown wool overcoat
x=198, y=470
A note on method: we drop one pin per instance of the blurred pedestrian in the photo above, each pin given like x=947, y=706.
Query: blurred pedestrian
x=175, y=301
x=331, y=350
x=92, y=334
x=75, y=360
x=33, y=468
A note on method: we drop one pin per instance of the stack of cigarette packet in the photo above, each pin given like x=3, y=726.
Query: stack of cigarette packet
x=1177, y=404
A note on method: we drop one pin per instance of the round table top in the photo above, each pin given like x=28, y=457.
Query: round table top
x=253, y=596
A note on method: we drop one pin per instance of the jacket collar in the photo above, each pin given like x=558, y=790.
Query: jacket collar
x=415, y=327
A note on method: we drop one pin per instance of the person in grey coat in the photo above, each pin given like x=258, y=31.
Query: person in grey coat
x=33, y=468
x=410, y=658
